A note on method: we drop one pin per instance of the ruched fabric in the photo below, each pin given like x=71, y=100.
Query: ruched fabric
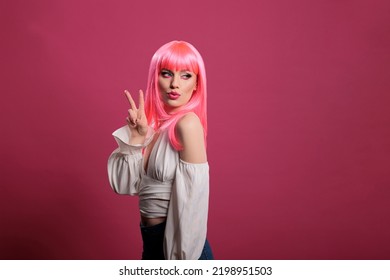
x=154, y=196
x=168, y=188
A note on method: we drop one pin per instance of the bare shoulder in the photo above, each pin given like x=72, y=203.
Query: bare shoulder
x=191, y=135
x=188, y=123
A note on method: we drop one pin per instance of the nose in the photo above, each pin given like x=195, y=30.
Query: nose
x=175, y=81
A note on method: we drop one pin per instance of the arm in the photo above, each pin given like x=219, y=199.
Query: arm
x=186, y=228
x=125, y=163
x=191, y=135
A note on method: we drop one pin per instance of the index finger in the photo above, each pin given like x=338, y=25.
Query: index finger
x=131, y=101
x=141, y=100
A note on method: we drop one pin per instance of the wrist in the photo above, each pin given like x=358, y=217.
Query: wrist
x=136, y=138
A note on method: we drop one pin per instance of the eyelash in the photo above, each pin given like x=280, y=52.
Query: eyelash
x=167, y=74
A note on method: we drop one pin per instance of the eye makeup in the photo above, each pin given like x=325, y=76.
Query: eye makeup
x=184, y=74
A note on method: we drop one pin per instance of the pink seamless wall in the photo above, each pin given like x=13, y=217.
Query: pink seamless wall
x=298, y=114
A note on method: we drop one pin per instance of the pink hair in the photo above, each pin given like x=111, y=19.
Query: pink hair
x=176, y=56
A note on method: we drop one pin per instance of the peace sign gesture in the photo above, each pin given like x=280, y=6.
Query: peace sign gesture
x=137, y=120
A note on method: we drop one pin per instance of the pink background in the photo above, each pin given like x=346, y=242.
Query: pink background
x=299, y=142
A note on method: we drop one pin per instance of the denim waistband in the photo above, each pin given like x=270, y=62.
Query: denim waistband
x=153, y=238
x=155, y=229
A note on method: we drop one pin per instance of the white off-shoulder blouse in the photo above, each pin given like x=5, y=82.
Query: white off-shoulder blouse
x=169, y=187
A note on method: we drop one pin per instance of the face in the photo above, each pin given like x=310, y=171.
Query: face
x=176, y=88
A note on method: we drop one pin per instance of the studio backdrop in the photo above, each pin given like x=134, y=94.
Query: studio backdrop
x=298, y=112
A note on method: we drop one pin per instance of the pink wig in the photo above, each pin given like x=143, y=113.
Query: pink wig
x=175, y=56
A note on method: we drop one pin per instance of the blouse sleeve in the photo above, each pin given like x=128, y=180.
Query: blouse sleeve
x=185, y=232
x=125, y=162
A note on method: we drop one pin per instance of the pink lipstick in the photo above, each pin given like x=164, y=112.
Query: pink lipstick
x=173, y=95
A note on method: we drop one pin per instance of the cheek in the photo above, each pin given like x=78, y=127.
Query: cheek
x=190, y=93
x=160, y=83
x=163, y=83
x=191, y=87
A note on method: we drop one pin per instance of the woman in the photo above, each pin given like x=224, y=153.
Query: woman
x=162, y=156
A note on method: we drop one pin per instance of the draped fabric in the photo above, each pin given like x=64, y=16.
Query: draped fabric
x=168, y=188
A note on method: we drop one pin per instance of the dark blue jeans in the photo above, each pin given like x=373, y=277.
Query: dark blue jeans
x=153, y=239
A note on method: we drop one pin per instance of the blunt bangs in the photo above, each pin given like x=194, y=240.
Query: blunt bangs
x=179, y=57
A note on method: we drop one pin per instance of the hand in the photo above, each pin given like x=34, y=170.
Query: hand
x=137, y=120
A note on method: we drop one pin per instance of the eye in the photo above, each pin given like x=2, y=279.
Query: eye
x=166, y=73
x=186, y=76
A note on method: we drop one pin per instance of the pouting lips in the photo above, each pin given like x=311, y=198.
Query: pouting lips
x=173, y=95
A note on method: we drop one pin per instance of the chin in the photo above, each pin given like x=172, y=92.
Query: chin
x=172, y=108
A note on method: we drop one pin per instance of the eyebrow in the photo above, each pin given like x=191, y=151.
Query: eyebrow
x=183, y=70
